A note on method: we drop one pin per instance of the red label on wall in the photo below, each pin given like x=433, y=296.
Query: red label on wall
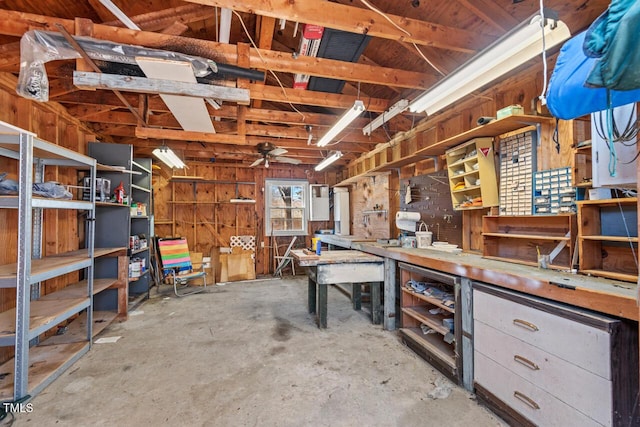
x=485, y=151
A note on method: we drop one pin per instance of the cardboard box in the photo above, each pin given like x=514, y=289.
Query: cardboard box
x=599, y=193
x=509, y=111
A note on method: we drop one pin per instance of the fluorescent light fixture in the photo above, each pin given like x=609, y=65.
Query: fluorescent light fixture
x=168, y=157
x=383, y=118
x=347, y=117
x=510, y=51
x=326, y=162
x=225, y=25
x=120, y=15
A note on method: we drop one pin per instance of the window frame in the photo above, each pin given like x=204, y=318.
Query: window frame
x=268, y=185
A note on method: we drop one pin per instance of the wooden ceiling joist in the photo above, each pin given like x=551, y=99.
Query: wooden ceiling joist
x=16, y=23
x=362, y=21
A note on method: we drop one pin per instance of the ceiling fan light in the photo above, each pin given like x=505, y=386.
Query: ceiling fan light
x=348, y=116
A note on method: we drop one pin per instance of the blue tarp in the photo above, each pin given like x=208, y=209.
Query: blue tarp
x=568, y=97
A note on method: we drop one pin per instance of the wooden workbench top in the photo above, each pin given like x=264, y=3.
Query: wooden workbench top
x=599, y=294
x=344, y=241
x=309, y=259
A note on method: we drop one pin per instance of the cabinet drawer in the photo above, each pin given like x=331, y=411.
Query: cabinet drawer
x=578, y=343
x=524, y=397
x=580, y=389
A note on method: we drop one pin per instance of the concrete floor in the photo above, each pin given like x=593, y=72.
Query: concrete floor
x=249, y=354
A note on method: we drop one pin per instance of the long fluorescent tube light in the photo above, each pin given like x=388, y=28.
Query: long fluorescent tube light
x=383, y=118
x=326, y=162
x=343, y=122
x=507, y=53
x=168, y=157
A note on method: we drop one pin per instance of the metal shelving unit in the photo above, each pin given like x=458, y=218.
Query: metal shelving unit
x=33, y=316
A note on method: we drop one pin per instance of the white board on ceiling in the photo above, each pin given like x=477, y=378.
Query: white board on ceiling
x=191, y=112
x=625, y=166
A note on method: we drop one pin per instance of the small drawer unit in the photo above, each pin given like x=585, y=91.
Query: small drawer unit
x=540, y=362
x=553, y=192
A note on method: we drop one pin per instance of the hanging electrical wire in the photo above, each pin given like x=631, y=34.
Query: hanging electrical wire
x=246, y=31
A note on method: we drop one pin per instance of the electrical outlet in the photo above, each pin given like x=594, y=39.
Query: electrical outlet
x=262, y=245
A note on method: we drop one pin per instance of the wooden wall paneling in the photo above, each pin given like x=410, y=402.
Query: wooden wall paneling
x=472, y=230
x=369, y=194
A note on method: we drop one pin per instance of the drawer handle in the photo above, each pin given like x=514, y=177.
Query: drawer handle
x=525, y=324
x=526, y=362
x=524, y=398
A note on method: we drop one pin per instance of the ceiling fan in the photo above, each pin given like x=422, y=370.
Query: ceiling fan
x=270, y=152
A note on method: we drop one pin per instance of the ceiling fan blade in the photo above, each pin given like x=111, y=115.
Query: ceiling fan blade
x=257, y=162
x=289, y=160
x=277, y=152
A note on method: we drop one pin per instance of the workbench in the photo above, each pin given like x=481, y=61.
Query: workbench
x=341, y=267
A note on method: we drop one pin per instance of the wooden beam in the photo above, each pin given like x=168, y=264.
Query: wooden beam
x=182, y=135
x=299, y=132
x=166, y=18
x=16, y=23
x=329, y=100
x=92, y=81
x=492, y=13
x=361, y=21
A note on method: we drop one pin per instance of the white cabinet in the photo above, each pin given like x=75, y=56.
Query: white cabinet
x=608, y=172
x=552, y=364
x=319, y=206
x=341, y=211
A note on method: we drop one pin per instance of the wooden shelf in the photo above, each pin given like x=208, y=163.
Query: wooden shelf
x=79, y=289
x=430, y=300
x=604, y=248
x=434, y=344
x=526, y=236
x=520, y=238
x=422, y=315
x=43, y=316
x=47, y=267
x=77, y=329
x=611, y=238
x=389, y=163
x=47, y=362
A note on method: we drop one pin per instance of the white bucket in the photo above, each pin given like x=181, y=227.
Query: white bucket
x=423, y=238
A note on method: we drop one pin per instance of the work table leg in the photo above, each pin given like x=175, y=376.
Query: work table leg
x=356, y=295
x=321, y=313
x=312, y=295
x=375, y=302
x=389, y=294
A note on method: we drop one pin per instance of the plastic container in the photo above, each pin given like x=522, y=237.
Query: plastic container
x=423, y=237
x=314, y=242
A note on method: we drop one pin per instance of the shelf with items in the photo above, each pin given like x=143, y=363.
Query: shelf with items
x=430, y=323
x=472, y=175
x=522, y=238
x=33, y=315
x=608, y=238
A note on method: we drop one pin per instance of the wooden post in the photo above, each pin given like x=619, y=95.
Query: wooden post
x=356, y=295
x=375, y=302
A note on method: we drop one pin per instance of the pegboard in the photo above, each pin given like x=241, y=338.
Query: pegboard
x=430, y=197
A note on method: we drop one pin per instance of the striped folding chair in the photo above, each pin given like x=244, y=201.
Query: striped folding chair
x=176, y=267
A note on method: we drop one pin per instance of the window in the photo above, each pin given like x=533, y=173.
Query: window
x=285, y=207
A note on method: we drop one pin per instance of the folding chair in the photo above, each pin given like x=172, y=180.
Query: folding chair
x=285, y=260
x=176, y=267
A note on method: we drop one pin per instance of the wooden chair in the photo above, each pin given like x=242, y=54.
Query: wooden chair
x=285, y=259
x=176, y=267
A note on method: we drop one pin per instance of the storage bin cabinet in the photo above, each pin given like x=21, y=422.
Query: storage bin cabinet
x=429, y=326
x=538, y=362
